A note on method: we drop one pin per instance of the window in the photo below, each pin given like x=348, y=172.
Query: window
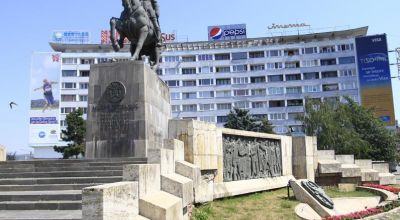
x=241, y=92
x=87, y=61
x=239, y=68
x=189, y=108
x=189, y=59
x=223, y=94
x=344, y=73
x=204, y=57
x=330, y=87
x=291, y=52
x=68, y=85
x=188, y=71
x=295, y=102
x=172, y=83
x=309, y=50
x=239, y=56
x=309, y=89
x=84, y=73
x=225, y=81
x=189, y=95
x=206, y=94
x=328, y=62
x=274, y=53
x=68, y=98
x=347, y=60
x=205, y=69
x=272, y=66
x=294, y=90
x=84, y=110
x=275, y=78
x=69, y=60
x=159, y=72
x=67, y=110
x=257, y=67
x=260, y=116
x=242, y=104
x=277, y=116
x=257, y=54
x=176, y=108
x=309, y=63
x=224, y=106
x=69, y=73
x=327, y=49
x=223, y=56
x=258, y=92
x=332, y=99
x=171, y=71
x=222, y=69
x=348, y=85
x=290, y=65
x=293, y=77
x=83, y=98
x=275, y=90
x=104, y=60
x=83, y=85
x=63, y=123
x=345, y=47
x=240, y=80
x=276, y=103
x=175, y=95
x=258, y=104
x=206, y=107
x=280, y=129
x=258, y=79
x=206, y=82
x=311, y=76
x=329, y=74
x=294, y=115
x=187, y=83
x=169, y=59
x=222, y=119
x=207, y=118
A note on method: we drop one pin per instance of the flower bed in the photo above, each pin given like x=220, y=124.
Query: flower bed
x=387, y=188
x=366, y=212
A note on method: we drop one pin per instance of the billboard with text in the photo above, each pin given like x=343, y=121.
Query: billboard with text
x=374, y=76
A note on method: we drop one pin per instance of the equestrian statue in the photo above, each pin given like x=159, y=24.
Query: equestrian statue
x=139, y=23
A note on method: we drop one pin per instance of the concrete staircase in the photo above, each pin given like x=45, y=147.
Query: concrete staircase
x=52, y=189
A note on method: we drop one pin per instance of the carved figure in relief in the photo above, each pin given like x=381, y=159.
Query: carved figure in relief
x=254, y=159
x=242, y=153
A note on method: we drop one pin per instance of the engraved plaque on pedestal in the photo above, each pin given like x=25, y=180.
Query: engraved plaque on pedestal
x=128, y=112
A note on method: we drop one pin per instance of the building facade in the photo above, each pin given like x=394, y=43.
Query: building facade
x=269, y=76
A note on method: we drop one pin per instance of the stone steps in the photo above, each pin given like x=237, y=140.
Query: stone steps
x=48, y=187
x=41, y=205
x=55, y=169
x=60, y=180
x=161, y=206
x=58, y=195
x=93, y=173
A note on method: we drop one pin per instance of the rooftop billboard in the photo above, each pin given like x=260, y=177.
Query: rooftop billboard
x=227, y=32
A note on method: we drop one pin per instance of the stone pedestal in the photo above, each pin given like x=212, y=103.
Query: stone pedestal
x=128, y=112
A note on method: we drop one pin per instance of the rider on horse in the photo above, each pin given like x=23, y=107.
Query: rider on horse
x=153, y=10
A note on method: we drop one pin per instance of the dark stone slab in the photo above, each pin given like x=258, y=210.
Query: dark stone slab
x=128, y=112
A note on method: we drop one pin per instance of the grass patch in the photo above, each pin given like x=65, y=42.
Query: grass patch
x=334, y=192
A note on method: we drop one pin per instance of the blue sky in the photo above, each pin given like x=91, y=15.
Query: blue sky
x=27, y=27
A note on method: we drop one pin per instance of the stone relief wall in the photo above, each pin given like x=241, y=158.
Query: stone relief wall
x=251, y=158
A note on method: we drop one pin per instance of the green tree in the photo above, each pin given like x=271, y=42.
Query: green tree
x=74, y=135
x=349, y=128
x=241, y=119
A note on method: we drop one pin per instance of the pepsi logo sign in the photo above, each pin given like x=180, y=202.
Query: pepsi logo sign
x=227, y=32
x=216, y=33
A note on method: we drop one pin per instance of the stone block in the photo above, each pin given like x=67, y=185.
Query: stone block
x=369, y=175
x=347, y=187
x=148, y=176
x=326, y=155
x=128, y=110
x=345, y=159
x=350, y=170
x=387, y=179
x=328, y=166
x=381, y=167
x=161, y=206
x=116, y=201
x=364, y=164
x=164, y=157
x=3, y=153
x=177, y=146
x=188, y=170
x=303, y=157
x=178, y=186
x=204, y=192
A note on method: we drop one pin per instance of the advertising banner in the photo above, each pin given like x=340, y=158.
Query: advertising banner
x=374, y=76
x=227, y=32
x=44, y=126
x=71, y=37
x=166, y=37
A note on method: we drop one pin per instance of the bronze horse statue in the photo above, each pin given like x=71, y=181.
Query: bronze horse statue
x=136, y=25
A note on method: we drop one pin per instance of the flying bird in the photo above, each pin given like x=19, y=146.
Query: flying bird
x=12, y=103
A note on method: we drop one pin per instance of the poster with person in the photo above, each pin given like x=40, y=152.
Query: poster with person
x=44, y=125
